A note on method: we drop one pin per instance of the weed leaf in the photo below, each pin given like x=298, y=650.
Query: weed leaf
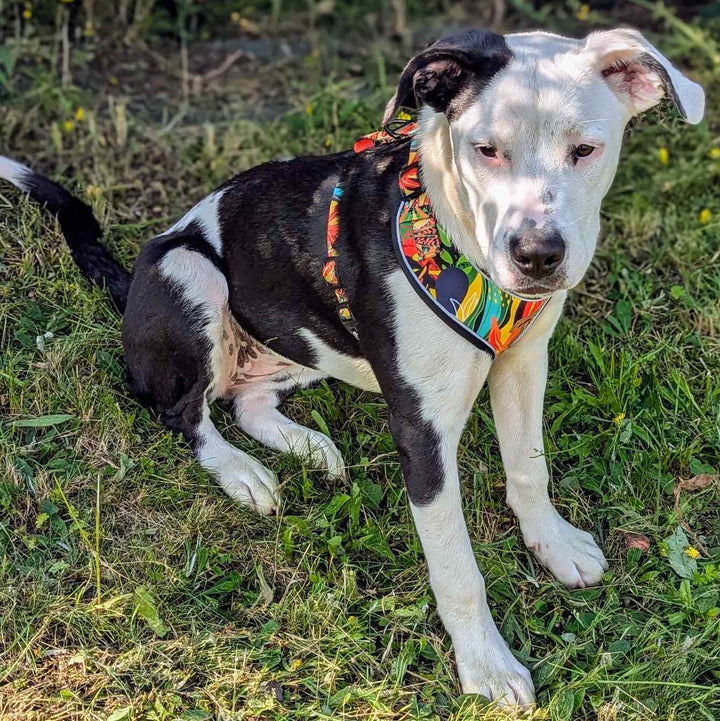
x=119, y=714
x=43, y=421
x=320, y=422
x=680, y=562
x=146, y=608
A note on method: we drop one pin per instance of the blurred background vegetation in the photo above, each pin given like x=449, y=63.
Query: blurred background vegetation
x=102, y=21
x=245, y=29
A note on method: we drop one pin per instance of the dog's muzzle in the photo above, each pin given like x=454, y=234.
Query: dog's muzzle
x=537, y=252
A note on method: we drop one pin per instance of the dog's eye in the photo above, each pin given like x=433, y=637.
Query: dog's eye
x=583, y=151
x=487, y=150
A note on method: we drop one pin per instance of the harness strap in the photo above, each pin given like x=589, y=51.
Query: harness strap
x=402, y=126
x=329, y=270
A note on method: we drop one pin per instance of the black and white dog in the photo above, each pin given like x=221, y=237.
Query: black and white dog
x=519, y=138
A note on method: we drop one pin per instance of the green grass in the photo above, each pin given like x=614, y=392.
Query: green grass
x=130, y=585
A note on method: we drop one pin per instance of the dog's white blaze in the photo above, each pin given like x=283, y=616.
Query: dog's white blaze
x=356, y=371
x=14, y=172
x=206, y=215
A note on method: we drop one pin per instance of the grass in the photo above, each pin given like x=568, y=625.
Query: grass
x=132, y=588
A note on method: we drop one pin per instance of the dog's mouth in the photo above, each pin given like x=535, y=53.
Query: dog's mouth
x=533, y=290
x=536, y=291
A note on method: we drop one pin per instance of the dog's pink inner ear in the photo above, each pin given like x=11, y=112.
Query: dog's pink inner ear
x=634, y=81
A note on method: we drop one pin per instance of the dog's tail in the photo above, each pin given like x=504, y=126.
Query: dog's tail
x=79, y=226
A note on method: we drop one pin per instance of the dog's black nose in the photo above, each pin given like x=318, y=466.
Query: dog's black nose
x=537, y=253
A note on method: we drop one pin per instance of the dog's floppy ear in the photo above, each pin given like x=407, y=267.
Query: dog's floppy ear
x=640, y=75
x=437, y=75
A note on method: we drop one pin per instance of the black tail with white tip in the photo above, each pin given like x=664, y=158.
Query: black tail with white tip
x=79, y=226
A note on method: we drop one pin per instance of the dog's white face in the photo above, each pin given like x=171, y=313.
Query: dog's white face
x=535, y=146
x=536, y=153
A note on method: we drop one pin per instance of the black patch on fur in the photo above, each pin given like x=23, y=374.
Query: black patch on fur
x=450, y=73
x=366, y=258
x=273, y=221
x=191, y=238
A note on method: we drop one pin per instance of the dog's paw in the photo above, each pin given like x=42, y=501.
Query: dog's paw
x=248, y=482
x=319, y=450
x=325, y=453
x=491, y=670
x=571, y=555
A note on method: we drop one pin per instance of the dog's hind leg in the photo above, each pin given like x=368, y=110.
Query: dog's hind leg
x=256, y=413
x=173, y=336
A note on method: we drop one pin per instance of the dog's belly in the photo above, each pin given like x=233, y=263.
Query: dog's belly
x=242, y=361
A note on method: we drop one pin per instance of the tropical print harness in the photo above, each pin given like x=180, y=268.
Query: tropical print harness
x=460, y=294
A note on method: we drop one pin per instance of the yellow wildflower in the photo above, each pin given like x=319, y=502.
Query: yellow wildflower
x=619, y=418
x=714, y=153
x=27, y=13
x=663, y=155
x=80, y=114
x=692, y=552
x=68, y=126
x=705, y=216
x=295, y=665
x=583, y=12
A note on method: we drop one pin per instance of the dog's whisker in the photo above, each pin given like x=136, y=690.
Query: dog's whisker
x=577, y=220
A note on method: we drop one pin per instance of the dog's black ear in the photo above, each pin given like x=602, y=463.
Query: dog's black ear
x=436, y=76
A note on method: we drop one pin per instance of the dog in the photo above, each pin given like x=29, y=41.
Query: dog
x=246, y=298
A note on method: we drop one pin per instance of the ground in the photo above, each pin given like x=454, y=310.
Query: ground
x=132, y=588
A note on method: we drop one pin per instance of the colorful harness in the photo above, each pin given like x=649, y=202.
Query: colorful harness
x=460, y=294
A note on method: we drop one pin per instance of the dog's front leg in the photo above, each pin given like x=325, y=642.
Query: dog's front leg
x=428, y=452
x=430, y=378
x=485, y=664
x=517, y=386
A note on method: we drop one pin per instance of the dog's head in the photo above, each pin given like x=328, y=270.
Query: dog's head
x=526, y=131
